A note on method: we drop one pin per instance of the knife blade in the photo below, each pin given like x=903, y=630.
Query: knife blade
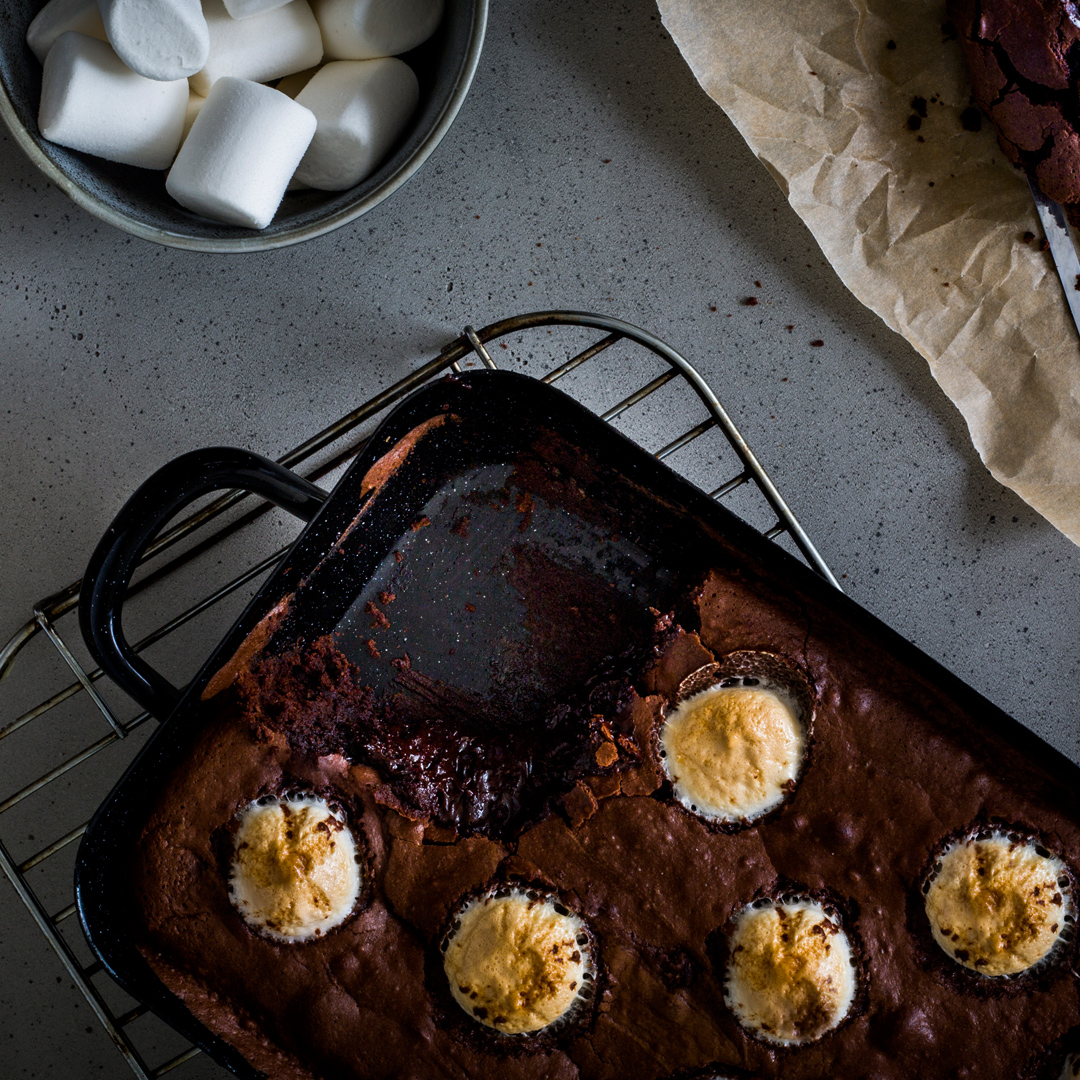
x=1056, y=230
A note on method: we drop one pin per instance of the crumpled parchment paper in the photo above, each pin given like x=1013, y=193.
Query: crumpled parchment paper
x=927, y=232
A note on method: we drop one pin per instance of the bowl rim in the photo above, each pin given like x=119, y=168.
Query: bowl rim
x=257, y=241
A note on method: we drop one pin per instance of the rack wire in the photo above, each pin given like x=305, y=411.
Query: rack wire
x=200, y=534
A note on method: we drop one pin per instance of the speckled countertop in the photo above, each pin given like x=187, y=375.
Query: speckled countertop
x=586, y=170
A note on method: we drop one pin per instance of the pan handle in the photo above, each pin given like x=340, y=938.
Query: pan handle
x=172, y=487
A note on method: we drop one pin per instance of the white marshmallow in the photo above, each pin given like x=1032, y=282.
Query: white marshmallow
x=245, y=9
x=194, y=107
x=365, y=29
x=91, y=102
x=244, y=146
x=362, y=107
x=59, y=16
x=161, y=39
x=261, y=48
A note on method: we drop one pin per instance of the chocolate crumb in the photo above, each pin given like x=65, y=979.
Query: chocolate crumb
x=379, y=621
x=1044, y=244
x=750, y=301
x=399, y=557
x=890, y=44
x=971, y=119
x=606, y=754
x=523, y=504
x=420, y=523
x=817, y=343
x=914, y=122
x=461, y=527
x=386, y=597
x=1028, y=237
x=918, y=106
x=470, y=608
x=1076, y=286
x=373, y=649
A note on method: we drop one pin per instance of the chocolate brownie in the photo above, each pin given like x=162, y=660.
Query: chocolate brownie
x=895, y=771
x=1024, y=60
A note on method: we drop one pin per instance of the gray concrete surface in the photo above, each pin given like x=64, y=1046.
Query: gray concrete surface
x=586, y=170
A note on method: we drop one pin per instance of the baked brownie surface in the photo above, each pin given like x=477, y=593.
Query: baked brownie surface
x=893, y=769
x=1024, y=60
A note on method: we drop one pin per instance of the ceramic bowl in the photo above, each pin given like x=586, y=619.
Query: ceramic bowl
x=135, y=199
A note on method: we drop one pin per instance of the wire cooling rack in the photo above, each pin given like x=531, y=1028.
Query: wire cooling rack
x=69, y=789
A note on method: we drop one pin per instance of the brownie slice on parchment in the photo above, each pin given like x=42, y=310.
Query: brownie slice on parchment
x=1024, y=60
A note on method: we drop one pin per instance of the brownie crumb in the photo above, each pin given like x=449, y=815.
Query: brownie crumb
x=817, y=343
x=1028, y=237
x=750, y=301
x=918, y=106
x=523, y=504
x=971, y=118
x=379, y=621
x=890, y=44
x=1044, y=244
x=398, y=557
x=373, y=649
x=387, y=597
x=914, y=122
x=420, y=523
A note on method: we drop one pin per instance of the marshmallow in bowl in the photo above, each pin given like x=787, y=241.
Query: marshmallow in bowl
x=241, y=153
x=59, y=16
x=246, y=9
x=294, y=873
x=365, y=29
x=91, y=101
x=159, y=39
x=261, y=48
x=361, y=107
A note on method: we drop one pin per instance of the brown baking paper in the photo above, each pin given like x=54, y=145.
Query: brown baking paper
x=928, y=234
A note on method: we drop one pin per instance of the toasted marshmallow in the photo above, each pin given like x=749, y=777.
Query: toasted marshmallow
x=732, y=752
x=996, y=905
x=517, y=963
x=295, y=872
x=791, y=975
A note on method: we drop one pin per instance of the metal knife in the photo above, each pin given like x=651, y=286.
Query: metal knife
x=1056, y=230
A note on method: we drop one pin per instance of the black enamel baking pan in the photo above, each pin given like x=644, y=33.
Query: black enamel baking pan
x=423, y=511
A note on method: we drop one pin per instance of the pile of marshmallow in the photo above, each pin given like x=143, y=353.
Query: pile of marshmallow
x=182, y=83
